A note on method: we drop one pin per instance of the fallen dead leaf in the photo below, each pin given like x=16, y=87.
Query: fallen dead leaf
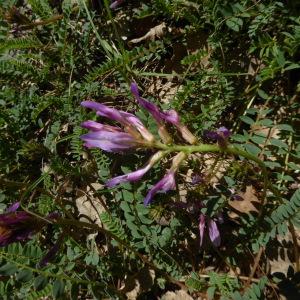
x=155, y=32
x=178, y=295
x=88, y=206
x=138, y=283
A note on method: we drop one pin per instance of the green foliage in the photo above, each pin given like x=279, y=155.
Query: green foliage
x=254, y=292
x=218, y=63
x=20, y=43
x=41, y=8
x=279, y=220
x=113, y=226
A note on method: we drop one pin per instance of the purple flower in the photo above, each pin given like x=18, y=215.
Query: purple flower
x=221, y=135
x=95, y=126
x=224, y=132
x=160, y=117
x=213, y=230
x=151, y=107
x=170, y=116
x=113, y=138
x=136, y=175
x=236, y=197
x=105, y=111
x=139, y=126
x=109, y=141
x=197, y=179
x=18, y=225
x=165, y=184
x=116, y=3
x=201, y=228
x=14, y=225
x=133, y=176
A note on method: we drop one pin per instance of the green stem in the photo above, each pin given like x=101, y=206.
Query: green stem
x=188, y=149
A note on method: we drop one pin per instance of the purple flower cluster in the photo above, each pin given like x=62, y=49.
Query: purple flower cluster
x=15, y=226
x=19, y=225
x=132, y=134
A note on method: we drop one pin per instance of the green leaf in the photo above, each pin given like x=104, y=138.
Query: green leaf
x=247, y=120
x=258, y=139
x=272, y=164
x=286, y=127
x=262, y=94
x=240, y=138
x=234, y=23
x=8, y=269
x=292, y=67
x=252, y=149
x=58, y=288
x=24, y=275
x=278, y=143
x=265, y=122
x=194, y=284
x=236, y=296
x=293, y=166
x=296, y=198
x=211, y=292
x=40, y=282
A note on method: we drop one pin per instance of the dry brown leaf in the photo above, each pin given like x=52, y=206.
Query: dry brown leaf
x=138, y=283
x=89, y=207
x=155, y=32
x=178, y=295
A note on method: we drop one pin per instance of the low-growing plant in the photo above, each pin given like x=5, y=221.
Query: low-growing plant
x=149, y=147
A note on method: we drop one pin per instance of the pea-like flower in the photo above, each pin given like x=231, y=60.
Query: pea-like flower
x=213, y=231
x=221, y=135
x=132, y=134
x=166, y=184
x=113, y=138
x=19, y=225
x=138, y=174
x=170, y=116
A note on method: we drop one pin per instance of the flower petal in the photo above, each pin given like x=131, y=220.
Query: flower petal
x=116, y=3
x=109, y=141
x=214, y=233
x=201, y=228
x=133, y=176
x=224, y=132
x=220, y=135
x=12, y=218
x=134, y=90
x=136, y=123
x=165, y=184
x=13, y=207
x=104, y=111
x=171, y=116
x=138, y=174
x=150, y=107
x=95, y=126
